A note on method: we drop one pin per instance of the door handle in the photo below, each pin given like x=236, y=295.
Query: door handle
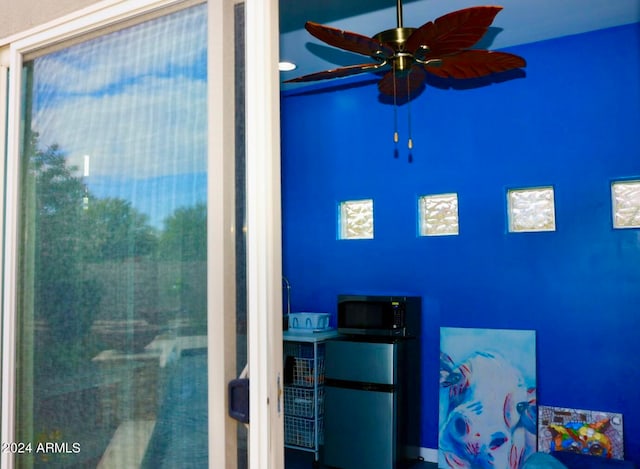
x=239, y=399
x=239, y=396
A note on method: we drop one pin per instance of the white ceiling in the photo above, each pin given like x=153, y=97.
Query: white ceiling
x=520, y=22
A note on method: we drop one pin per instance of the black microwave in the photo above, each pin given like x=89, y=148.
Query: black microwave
x=387, y=316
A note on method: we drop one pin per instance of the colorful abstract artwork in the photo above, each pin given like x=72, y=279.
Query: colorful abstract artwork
x=488, y=412
x=581, y=431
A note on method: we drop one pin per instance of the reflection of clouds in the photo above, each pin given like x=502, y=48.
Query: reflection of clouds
x=134, y=100
x=155, y=127
x=156, y=47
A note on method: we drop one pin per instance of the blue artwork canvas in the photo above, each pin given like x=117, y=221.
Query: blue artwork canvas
x=488, y=412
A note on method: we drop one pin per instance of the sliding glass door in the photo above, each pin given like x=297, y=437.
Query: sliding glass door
x=126, y=301
x=112, y=329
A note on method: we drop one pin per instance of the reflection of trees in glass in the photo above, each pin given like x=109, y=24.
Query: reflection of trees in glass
x=183, y=247
x=113, y=229
x=65, y=300
x=105, y=261
x=185, y=235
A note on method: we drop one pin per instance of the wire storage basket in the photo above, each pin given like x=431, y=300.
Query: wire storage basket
x=301, y=350
x=301, y=402
x=302, y=371
x=301, y=431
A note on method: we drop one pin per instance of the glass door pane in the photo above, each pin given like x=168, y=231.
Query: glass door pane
x=112, y=307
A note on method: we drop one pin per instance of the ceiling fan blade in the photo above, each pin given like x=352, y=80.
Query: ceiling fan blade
x=405, y=86
x=453, y=32
x=347, y=40
x=475, y=64
x=338, y=72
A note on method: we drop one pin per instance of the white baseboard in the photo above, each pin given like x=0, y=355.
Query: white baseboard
x=427, y=454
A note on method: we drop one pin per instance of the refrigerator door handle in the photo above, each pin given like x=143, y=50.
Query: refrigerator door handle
x=359, y=385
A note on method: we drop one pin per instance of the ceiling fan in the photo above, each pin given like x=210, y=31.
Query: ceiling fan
x=441, y=47
x=406, y=56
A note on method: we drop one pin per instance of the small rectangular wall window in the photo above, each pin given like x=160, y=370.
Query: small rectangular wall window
x=438, y=215
x=531, y=209
x=356, y=219
x=625, y=199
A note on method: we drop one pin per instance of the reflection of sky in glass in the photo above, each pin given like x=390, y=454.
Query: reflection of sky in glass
x=135, y=102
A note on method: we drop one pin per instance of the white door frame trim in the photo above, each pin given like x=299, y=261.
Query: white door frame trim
x=264, y=245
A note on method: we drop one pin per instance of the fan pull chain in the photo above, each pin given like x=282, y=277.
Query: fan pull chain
x=395, y=110
x=410, y=141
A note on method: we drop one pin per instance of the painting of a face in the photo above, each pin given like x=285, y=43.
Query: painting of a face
x=487, y=398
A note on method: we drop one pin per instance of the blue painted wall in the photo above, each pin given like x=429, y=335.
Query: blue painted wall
x=573, y=123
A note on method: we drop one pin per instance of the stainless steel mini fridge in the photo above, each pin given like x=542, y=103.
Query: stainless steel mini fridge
x=365, y=416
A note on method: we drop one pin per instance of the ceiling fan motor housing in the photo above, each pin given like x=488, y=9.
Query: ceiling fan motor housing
x=396, y=38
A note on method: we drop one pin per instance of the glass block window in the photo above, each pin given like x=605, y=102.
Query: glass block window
x=625, y=197
x=356, y=219
x=531, y=209
x=438, y=215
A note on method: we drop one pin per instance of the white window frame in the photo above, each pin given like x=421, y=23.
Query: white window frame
x=264, y=271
